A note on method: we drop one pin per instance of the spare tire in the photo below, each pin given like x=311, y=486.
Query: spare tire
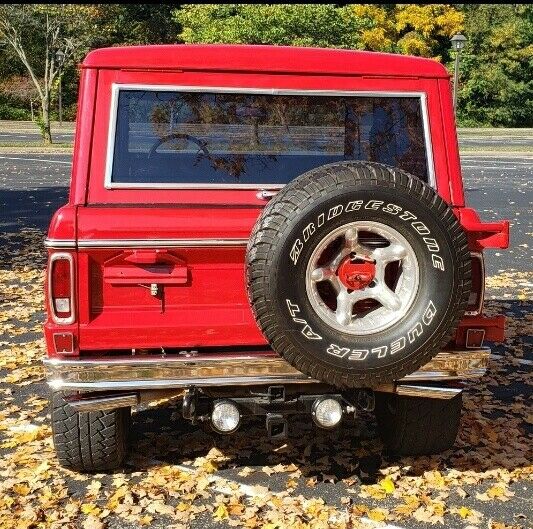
x=357, y=273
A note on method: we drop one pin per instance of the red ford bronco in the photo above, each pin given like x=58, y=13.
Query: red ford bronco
x=264, y=231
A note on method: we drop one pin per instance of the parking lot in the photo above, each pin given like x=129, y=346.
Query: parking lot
x=179, y=475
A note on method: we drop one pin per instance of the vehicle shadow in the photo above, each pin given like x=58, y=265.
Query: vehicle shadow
x=24, y=219
x=494, y=431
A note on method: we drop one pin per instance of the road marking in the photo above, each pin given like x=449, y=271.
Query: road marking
x=523, y=361
x=483, y=167
x=492, y=160
x=34, y=159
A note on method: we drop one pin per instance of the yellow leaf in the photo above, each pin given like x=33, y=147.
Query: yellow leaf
x=377, y=515
x=387, y=485
x=21, y=489
x=464, y=512
x=270, y=525
x=221, y=512
x=92, y=522
x=94, y=488
x=292, y=484
x=497, y=491
x=145, y=520
x=209, y=467
x=90, y=508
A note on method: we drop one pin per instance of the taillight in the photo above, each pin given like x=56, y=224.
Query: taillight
x=61, y=287
x=477, y=292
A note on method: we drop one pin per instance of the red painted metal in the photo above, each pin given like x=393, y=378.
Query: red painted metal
x=356, y=275
x=231, y=58
x=201, y=298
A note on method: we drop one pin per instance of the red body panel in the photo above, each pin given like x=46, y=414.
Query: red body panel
x=203, y=301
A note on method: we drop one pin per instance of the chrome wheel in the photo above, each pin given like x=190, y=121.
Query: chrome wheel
x=362, y=277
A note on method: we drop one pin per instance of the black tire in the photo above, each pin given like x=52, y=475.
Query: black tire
x=276, y=269
x=89, y=441
x=415, y=426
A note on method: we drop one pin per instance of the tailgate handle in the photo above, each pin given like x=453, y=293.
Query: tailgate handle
x=149, y=257
x=147, y=267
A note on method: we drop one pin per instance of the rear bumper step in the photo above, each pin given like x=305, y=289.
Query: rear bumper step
x=246, y=369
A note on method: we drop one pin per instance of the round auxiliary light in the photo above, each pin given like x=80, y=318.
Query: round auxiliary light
x=326, y=412
x=225, y=417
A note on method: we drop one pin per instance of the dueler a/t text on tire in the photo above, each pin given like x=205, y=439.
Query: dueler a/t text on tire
x=357, y=273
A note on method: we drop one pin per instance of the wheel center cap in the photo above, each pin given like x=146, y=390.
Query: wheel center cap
x=356, y=273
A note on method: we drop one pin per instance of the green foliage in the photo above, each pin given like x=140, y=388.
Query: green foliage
x=41, y=124
x=497, y=66
x=7, y=111
x=135, y=24
x=322, y=25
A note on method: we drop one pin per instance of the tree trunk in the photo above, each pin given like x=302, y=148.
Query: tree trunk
x=45, y=124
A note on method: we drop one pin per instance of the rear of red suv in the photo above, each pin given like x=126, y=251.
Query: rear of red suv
x=167, y=273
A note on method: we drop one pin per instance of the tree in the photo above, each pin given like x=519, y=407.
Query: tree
x=496, y=85
x=136, y=24
x=412, y=29
x=285, y=24
x=46, y=39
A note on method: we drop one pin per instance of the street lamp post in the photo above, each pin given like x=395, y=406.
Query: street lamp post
x=59, y=57
x=458, y=43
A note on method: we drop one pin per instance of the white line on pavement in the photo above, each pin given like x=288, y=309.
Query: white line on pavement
x=483, y=167
x=33, y=160
x=492, y=160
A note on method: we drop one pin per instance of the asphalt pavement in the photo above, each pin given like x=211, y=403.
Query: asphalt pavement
x=33, y=186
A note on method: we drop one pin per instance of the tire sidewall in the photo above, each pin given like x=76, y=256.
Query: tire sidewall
x=405, y=340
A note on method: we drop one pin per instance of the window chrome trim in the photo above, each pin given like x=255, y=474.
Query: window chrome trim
x=56, y=319
x=113, y=114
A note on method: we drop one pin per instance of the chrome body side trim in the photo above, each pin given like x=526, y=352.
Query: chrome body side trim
x=57, y=243
x=158, y=243
x=113, y=112
x=143, y=243
x=56, y=256
x=203, y=370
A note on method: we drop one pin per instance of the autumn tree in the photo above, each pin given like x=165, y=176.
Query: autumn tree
x=46, y=38
x=411, y=29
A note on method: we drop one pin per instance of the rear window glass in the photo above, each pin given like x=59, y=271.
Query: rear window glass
x=193, y=138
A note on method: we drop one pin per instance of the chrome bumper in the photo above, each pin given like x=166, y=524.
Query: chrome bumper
x=134, y=373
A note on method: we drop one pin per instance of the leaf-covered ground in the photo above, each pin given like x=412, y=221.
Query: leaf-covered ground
x=181, y=476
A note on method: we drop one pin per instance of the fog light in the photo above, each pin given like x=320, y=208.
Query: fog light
x=225, y=417
x=326, y=412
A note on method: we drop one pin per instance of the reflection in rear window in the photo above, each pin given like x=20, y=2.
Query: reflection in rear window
x=221, y=138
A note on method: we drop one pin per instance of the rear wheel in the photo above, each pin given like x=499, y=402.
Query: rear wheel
x=89, y=441
x=414, y=426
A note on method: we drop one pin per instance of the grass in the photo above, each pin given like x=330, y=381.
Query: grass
x=36, y=144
